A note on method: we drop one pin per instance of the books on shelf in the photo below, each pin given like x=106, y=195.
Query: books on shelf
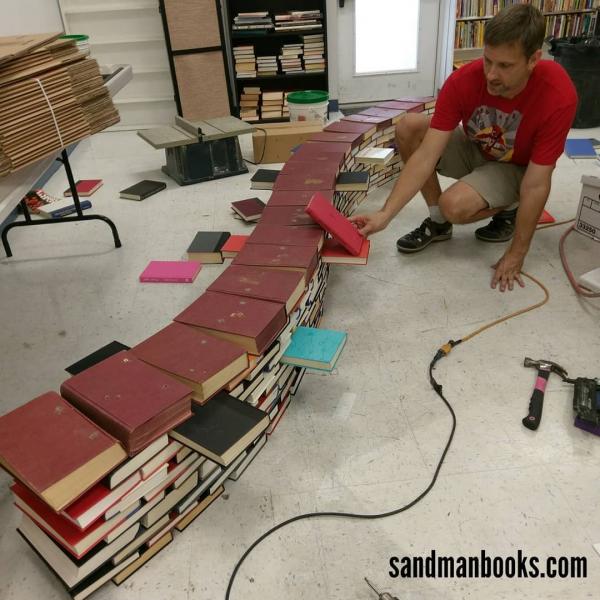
x=255, y=22
x=245, y=61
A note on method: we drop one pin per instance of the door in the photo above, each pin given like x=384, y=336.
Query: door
x=386, y=49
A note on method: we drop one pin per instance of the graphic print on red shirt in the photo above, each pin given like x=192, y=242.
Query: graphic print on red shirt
x=532, y=126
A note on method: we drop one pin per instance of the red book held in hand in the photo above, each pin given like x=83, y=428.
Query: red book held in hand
x=333, y=221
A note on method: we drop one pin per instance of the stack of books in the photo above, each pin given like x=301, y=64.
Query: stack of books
x=299, y=20
x=245, y=62
x=314, y=53
x=254, y=22
x=267, y=66
x=249, y=103
x=37, y=72
x=272, y=105
x=290, y=58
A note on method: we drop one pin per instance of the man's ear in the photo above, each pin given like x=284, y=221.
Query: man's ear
x=534, y=58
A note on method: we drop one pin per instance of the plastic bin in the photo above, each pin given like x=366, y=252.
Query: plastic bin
x=308, y=105
x=580, y=57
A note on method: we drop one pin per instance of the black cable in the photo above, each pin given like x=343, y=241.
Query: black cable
x=263, y=150
x=438, y=389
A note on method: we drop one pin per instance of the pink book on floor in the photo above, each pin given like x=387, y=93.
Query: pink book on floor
x=333, y=221
x=170, y=271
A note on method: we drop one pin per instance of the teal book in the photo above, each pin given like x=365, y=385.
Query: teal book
x=314, y=348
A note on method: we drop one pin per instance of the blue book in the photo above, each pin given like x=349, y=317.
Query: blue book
x=583, y=148
x=314, y=348
x=62, y=208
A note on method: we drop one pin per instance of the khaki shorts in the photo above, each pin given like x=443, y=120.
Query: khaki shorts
x=496, y=182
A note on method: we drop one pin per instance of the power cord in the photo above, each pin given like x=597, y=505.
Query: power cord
x=263, y=150
x=441, y=353
x=561, y=248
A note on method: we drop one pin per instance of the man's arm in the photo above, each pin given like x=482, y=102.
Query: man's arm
x=415, y=173
x=534, y=191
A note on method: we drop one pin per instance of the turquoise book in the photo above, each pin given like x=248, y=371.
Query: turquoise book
x=315, y=348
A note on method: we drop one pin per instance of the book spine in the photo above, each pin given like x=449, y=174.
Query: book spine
x=166, y=279
x=68, y=210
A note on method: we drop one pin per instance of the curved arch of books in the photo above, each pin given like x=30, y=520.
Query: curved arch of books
x=98, y=512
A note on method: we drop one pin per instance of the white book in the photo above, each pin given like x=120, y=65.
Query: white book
x=248, y=458
x=161, y=457
x=134, y=517
x=133, y=464
x=139, y=540
x=197, y=492
x=98, y=583
x=181, y=471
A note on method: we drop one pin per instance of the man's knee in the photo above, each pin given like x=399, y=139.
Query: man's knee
x=455, y=206
x=412, y=127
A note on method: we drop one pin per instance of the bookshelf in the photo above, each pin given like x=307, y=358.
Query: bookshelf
x=270, y=43
x=563, y=18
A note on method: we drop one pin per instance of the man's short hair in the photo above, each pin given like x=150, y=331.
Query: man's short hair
x=520, y=23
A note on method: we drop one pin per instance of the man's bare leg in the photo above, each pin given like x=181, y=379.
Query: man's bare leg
x=410, y=131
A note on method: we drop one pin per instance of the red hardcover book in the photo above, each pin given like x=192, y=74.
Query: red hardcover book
x=380, y=122
x=391, y=113
x=249, y=209
x=285, y=287
x=337, y=147
x=233, y=245
x=288, y=258
x=349, y=127
x=352, y=138
x=324, y=170
x=415, y=99
x=282, y=235
x=333, y=221
x=286, y=215
x=298, y=179
x=85, y=187
x=401, y=105
x=55, y=450
x=334, y=253
x=202, y=362
x=295, y=198
x=130, y=399
x=251, y=323
x=314, y=153
x=77, y=542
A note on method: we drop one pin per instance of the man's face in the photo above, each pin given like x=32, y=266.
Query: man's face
x=507, y=69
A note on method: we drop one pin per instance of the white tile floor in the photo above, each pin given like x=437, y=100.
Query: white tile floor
x=365, y=438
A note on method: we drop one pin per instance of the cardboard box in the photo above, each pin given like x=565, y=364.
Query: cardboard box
x=588, y=214
x=280, y=139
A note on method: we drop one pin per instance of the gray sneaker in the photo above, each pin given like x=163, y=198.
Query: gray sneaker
x=500, y=229
x=429, y=231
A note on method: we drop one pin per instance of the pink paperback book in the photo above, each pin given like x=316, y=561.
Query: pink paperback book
x=170, y=271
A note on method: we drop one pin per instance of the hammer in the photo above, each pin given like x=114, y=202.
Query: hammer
x=536, y=404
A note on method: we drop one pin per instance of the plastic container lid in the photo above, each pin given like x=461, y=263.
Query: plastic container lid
x=77, y=38
x=308, y=97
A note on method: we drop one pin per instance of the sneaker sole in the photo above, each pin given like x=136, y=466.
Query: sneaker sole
x=439, y=238
x=494, y=240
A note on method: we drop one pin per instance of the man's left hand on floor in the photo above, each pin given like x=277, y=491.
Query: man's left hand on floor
x=508, y=270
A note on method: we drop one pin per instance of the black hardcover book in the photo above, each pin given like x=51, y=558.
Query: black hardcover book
x=206, y=246
x=222, y=428
x=352, y=181
x=142, y=190
x=264, y=179
x=95, y=357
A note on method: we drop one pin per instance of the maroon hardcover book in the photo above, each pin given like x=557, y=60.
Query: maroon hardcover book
x=287, y=258
x=130, y=399
x=352, y=138
x=296, y=197
x=315, y=153
x=56, y=451
x=284, y=287
x=415, y=105
x=286, y=215
x=324, y=170
x=349, y=127
x=283, y=235
x=383, y=112
x=199, y=360
x=381, y=122
x=251, y=323
x=249, y=209
x=344, y=147
x=301, y=180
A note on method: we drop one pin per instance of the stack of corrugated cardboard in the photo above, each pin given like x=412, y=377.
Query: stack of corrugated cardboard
x=51, y=95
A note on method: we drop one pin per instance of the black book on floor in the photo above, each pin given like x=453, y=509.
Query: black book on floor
x=352, y=181
x=142, y=190
x=206, y=246
x=222, y=428
x=95, y=357
x=264, y=179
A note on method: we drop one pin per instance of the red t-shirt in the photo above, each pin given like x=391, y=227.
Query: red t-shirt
x=532, y=126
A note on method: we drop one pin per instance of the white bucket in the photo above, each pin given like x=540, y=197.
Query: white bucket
x=307, y=110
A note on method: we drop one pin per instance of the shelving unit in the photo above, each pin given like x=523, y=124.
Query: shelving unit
x=563, y=18
x=270, y=43
x=128, y=32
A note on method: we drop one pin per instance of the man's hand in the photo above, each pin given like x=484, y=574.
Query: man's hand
x=507, y=271
x=370, y=223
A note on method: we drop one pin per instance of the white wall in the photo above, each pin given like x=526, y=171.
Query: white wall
x=29, y=16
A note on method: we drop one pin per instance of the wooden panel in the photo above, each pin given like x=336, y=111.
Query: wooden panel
x=192, y=24
x=202, y=85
